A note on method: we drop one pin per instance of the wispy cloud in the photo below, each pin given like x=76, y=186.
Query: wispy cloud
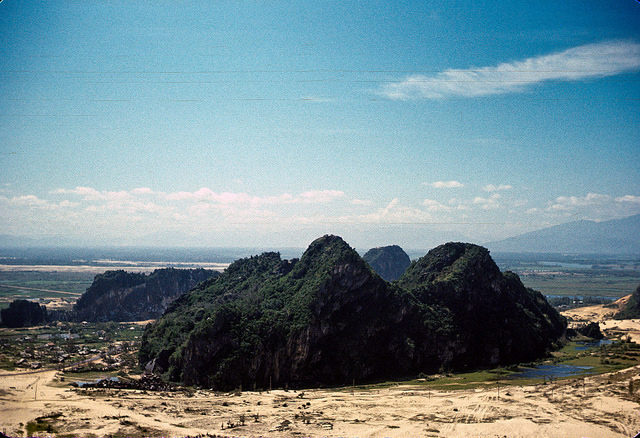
x=445, y=184
x=583, y=62
x=629, y=198
x=489, y=203
x=204, y=194
x=433, y=205
x=566, y=203
x=595, y=206
x=496, y=188
x=236, y=198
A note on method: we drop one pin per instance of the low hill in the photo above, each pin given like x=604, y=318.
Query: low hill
x=130, y=296
x=328, y=319
x=630, y=309
x=23, y=313
x=619, y=236
x=389, y=262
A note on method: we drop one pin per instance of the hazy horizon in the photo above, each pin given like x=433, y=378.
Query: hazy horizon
x=258, y=124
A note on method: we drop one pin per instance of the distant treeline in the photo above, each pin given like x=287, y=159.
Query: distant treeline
x=579, y=301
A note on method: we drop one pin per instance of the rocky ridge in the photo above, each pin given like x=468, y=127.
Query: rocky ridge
x=131, y=296
x=328, y=319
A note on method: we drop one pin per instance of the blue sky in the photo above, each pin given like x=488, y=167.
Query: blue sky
x=251, y=123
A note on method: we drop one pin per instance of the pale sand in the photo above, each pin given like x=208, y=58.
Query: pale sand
x=600, y=408
x=563, y=409
x=612, y=328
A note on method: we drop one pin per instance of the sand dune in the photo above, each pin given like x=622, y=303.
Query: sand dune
x=600, y=408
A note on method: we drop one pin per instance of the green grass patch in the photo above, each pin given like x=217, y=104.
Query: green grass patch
x=582, y=285
x=612, y=357
x=42, y=424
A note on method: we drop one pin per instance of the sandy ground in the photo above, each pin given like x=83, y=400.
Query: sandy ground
x=611, y=328
x=563, y=409
x=599, y=406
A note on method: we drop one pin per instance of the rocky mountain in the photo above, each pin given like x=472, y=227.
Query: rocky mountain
x=495, y=317
x=618, y=236
x=329, y=319
x=130, y=296
x=23, y=313
x=389, y=262
x=631, y=309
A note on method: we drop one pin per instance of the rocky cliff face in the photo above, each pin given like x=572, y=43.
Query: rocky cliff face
x=128, y=296
x=389, y=262
x=329, y=319
x=23, y=313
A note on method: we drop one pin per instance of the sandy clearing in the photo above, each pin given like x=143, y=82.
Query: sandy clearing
x=612, y=328
x=566, y=408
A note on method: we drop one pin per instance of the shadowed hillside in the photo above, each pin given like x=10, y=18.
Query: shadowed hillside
x=130, y=296
x=389, y=262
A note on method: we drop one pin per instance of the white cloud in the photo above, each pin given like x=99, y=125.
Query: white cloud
x=489, y=203
x=594, y=206
x=319, y=196
x=629, y=198
x=392, y=213
x=91, y=194
x=205, y=194
x=578, y=63
x=29, y=201
x=571, y=202
x=445, y=184
x=433, y=205
x=363, y=202
x=494, y=188
x=142, y=191
x=87, y=193
x=32, y=201
x=232, y=198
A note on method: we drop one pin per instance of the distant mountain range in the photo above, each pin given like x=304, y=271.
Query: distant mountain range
x=618, y=236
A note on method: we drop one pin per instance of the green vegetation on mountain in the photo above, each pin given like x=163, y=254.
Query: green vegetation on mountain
x=329, y=319
x=498, y=320
x=389, y=262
